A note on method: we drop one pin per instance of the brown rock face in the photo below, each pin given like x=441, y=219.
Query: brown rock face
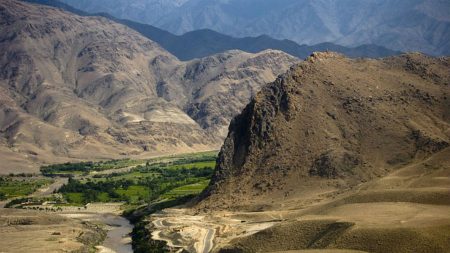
x=329, y=124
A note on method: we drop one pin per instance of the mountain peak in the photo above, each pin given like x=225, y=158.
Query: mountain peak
x=370, y=123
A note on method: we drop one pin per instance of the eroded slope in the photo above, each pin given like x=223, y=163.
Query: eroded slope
x=87, y=88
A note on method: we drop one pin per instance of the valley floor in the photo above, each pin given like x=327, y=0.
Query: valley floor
x=87, y=215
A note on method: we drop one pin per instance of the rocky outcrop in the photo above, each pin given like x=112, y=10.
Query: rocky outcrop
x=329, y=124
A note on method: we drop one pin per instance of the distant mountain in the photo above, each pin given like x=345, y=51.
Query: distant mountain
x=206, y=42
x=403, y=25
x=74, y=87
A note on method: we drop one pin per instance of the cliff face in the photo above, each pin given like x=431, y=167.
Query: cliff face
x=329, y=124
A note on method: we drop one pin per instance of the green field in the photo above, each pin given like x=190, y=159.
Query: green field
x=191, y=189
x=12, y=187
x=74, y=197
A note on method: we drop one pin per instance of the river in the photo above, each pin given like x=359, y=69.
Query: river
x=118, y=228
x=118, y=239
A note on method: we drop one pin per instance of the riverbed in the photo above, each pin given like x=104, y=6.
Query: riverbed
x=118, y=228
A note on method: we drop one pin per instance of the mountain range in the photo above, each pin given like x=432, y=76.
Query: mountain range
x=76, y=87
x=402, y=25
x=205, y=42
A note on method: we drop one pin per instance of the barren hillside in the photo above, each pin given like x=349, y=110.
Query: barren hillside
x=86, y=88
x=336, y=121
x=338, y=154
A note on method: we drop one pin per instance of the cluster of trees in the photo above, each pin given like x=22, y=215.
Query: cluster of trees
x=188, y=160
x=3, y=180
x=91, y=190
x=181, y=172
x=19, y=201
x=55, y=168
x=74, y=185
x=21, y=175
x=50, y=170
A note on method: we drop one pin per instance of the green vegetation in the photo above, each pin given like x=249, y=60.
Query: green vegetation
x=162, y=182
x=158, y=179
x=66, y=169
x=146, y=187
x=11, y=187
x=191, y=189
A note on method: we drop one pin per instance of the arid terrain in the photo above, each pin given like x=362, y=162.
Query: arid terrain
x=50, y=228
x=80, y=88
x=337, y=154
x=326, y=154
x=405, y=211
x=31, y=231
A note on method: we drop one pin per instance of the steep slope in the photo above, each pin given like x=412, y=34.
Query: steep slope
x=337, y=155
x=221, y=85
x=332, y=123
x=405, y=25
x=202, y=43
x=87, y=88
x=84, y=87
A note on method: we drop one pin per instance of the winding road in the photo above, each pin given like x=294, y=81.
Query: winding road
x=208, y=240
x=201, y=234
